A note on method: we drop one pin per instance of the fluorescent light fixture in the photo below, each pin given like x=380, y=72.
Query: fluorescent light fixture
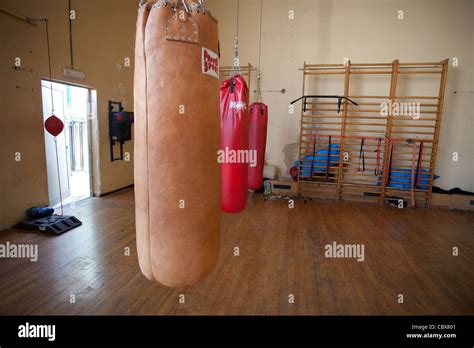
x=73, y=73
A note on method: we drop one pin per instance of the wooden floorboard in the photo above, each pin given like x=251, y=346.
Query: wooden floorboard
x=407, y=252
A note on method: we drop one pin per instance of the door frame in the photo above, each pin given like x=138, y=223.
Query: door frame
x=92, y=133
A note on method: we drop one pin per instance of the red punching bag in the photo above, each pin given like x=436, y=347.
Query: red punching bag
x=54, y=125
x=234, y=139
x=257, y=142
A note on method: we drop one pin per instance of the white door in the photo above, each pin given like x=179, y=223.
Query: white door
x=51, y=163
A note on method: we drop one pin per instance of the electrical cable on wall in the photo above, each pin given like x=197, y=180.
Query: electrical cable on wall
x=53, y=124
x=258, y=91
x=56, y=224
x=70, y=35
x=49, y=64
x=69, y=71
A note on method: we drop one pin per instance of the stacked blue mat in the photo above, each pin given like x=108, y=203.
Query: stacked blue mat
x=320, y=159
x=401, y=178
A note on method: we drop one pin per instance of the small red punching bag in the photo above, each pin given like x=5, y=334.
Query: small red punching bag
x=234, y=137
x=257, y=142
x=54, y=125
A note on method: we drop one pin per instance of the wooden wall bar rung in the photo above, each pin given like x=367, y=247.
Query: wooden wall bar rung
x=326, y=73
x=415, y=97
x=368, y=96
x=381, y=137
x=364, y=103
x=419, y=72
x=388, y=65
x=395, y=140
x=440, y=64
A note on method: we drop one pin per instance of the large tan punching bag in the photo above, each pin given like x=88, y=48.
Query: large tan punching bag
x=177, y=136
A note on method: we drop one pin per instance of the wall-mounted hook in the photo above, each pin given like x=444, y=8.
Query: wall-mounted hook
x=282, y=91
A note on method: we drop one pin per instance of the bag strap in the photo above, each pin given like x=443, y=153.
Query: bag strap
x=388, y=174
x=313, y=155
x=418, y=166
x=361, y=156
x=377, y=159
x=329, y=157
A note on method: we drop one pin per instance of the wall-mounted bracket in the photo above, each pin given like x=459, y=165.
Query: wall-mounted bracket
x=120, y=127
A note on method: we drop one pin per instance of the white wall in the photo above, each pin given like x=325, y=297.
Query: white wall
x=325, y=31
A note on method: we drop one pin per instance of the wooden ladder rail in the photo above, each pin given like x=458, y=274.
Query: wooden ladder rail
x=388, y=130
x=298, y=189
x=340, y=173
x=439, y=114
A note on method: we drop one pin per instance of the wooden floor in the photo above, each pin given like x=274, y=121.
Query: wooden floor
x=407, y=252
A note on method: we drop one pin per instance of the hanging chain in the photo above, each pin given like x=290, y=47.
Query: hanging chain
x=259, y=76
x=202, y=6
x=184, y=5
x=235, y=62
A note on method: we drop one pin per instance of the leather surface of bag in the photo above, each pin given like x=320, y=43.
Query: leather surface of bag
x=234, y=138
x=258, y=119
x=177, y=136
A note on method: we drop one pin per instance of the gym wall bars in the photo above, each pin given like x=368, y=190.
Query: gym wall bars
x=375, y=148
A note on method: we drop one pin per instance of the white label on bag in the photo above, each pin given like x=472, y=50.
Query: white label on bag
x=210, y=63
x=238, y=105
